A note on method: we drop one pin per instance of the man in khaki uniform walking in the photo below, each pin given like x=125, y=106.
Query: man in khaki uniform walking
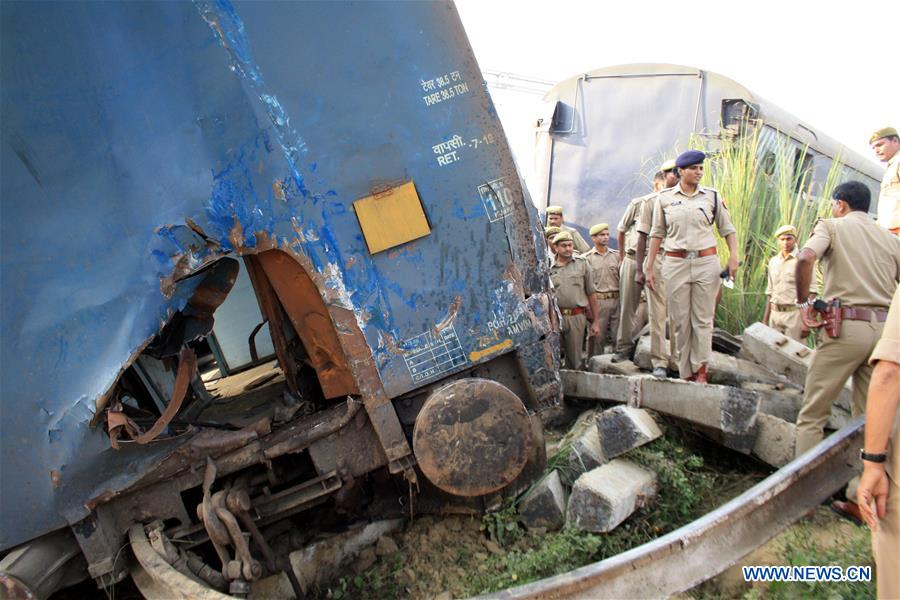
x=661, y=348
x=781, y=312
x=685, y=216
x=886, y=144
x=861, y=263
x=629, y=288
x=555, y=219
x=573, y=284
x=879, y=485
x=605, y=267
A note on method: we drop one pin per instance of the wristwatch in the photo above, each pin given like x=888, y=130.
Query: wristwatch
x=875, y=458
x=803, y=304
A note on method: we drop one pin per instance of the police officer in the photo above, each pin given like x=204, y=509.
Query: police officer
x=781, y=311
x=629, y=288
x=886, y=144
x=555, y=219
x=605, y=267
x=861, y=263
x=549, y=234
x=573, y=284
x=879, y=486
x=662, y=350
x=684, y=215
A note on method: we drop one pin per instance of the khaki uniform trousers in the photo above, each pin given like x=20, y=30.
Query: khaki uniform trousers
x=691, y=285
x=609, y=325
x=629, y=297
x=661, y=348
x=886, y=541
x=787, y=322
x=835, y=360
x=574, y=330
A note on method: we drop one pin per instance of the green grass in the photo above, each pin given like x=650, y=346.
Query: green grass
x=762, y=195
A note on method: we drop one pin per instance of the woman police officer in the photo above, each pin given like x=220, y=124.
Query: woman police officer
x=684, y=215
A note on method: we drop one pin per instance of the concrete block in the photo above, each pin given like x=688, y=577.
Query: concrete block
x=603, y=364
x=723, y=369
x=604, y=497
x=775, y=440
x=728, y=409
x=594, y=386
x=623, y=428
x=583, y=443
x=779, y=401
x=545, y=505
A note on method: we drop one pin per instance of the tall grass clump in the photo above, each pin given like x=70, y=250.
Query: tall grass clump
x=766, y=182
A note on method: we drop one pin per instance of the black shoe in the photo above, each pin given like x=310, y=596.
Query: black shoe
x=619, y=357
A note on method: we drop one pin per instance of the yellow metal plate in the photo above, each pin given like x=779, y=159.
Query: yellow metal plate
x=391, y=218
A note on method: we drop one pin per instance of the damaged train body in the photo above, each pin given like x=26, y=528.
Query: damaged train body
x=348, y=160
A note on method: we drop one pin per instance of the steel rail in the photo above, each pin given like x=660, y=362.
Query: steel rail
x=704, y=548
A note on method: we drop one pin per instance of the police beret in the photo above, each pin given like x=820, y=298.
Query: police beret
x=554, y=210
x=552, y=230
x=688, y=158
x=786, y=229
x=599, y=227
x=668, y=165
x=562, y=236
x=882, y=133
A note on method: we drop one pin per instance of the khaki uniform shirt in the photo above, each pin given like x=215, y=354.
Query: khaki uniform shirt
x=605, y=268
x=782, y=286
x=860, y=260
x=645, y=219
x=889, y=198
x=572, y=283
x=628, y=224
x=686, y=221
x=581, y=246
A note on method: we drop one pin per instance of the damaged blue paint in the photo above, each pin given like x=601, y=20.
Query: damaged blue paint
x=151, y=139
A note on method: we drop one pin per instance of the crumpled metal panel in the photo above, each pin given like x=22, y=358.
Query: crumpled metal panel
x=143, y=140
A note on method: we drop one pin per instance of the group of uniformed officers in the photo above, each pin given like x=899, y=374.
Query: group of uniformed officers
x=678, y=276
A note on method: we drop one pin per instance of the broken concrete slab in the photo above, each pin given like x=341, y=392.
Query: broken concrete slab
x=777, y=400
x=728, y=409
x=319, y=562
x=723, y=369
x=623, y=428
x=604, y=497
x=603, y=364
x=785, y=356
x=583, y=443
x=775, y=440
x=544, y=507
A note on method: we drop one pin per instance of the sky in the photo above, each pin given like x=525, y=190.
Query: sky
x=833, y=66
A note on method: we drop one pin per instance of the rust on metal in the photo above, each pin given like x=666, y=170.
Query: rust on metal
x=187, y=367
x=472, y=437
x=311, y=320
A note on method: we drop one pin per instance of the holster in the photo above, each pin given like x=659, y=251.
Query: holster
x=831, y=316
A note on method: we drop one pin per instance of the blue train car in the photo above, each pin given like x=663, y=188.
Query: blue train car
x=347, y=157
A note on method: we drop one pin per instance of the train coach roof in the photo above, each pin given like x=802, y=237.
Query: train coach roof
x=773, y=114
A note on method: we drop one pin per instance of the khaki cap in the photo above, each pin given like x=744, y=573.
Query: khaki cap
x=786, y=230
x=599, y=227
x=563, y=236
x=882, y=133
x=552, y=230
x=668, y=165
x=554, y=210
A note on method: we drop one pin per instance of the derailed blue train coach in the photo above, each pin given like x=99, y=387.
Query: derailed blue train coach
x=348, y=160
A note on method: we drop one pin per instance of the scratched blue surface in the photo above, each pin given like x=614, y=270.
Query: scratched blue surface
x=121, y=121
